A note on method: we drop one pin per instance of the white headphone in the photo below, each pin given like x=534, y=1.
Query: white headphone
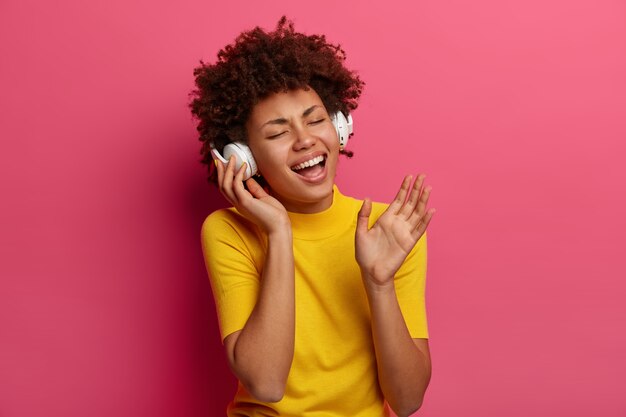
x=343, y=126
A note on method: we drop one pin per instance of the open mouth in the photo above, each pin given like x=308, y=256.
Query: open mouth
x=311, y=168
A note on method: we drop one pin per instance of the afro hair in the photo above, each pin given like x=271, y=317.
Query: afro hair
x=260, y=64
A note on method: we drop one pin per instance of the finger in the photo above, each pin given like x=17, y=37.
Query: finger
x=421, y=227
x=409, y=207
x=220, y=172
x=398, y=202
x=419, y=211
x=220, y=179
x=227, y=183
x=362, y=222
x=255, y=188
x=238, y=188
x=423, y=201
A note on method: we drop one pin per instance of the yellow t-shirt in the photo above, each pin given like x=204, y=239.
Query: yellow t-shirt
x=334, y=366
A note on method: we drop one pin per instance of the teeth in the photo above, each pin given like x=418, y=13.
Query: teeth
x=308, y=163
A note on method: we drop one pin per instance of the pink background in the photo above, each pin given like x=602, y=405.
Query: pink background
x=516, y=111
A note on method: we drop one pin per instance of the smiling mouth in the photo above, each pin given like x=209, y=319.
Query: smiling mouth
x=310, y=165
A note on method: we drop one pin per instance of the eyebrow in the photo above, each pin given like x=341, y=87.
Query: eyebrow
x=282, y=120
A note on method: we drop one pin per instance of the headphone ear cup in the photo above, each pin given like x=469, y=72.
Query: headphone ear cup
x=344, y=127
x=242, y=154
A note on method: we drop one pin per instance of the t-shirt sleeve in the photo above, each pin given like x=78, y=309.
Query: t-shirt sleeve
x=231, y=255
x=410, y=283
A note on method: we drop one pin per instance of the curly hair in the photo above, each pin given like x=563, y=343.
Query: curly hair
x=258, y=65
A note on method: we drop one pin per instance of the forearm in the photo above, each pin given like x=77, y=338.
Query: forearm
x=264, y=349
x=403, y=370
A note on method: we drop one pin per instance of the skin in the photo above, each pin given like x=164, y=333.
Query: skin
x=283, y=130
x=404, y=365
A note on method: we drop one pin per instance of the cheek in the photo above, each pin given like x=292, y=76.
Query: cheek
x=331, y=139
x=268, y=161
x=332, y=143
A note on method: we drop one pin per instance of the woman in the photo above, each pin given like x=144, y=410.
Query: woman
x=320, y=296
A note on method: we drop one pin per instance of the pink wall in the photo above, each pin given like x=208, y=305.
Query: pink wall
x=516, y=110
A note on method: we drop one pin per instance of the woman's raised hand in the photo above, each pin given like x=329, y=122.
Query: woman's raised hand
x=254, y=203
x=381, y=250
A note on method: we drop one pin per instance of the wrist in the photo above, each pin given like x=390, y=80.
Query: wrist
x=279, y=227
x=280, y=233
x=377, y=285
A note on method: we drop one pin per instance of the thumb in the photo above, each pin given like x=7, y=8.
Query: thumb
x=362, y=221
x=255, y=188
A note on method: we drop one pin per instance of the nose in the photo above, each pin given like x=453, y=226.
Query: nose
x=304, y=139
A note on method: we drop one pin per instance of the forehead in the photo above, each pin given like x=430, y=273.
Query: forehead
x=287, y=104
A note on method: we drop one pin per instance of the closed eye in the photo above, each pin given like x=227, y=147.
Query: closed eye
x=315, y=122
x=275, y=136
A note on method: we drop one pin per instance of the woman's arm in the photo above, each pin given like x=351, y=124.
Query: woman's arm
x=260, y=354
x=403, y=363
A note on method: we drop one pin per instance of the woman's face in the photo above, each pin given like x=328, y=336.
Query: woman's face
x=296, y=148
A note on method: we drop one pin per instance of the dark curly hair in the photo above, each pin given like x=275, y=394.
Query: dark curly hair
x=258, y=65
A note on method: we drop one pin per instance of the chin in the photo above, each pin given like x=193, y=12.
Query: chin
x=308, y=199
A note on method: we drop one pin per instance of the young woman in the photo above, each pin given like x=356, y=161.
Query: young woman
x=320, y=297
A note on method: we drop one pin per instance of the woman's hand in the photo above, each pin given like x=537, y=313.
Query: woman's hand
x=381, y=250
x=254, y=203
